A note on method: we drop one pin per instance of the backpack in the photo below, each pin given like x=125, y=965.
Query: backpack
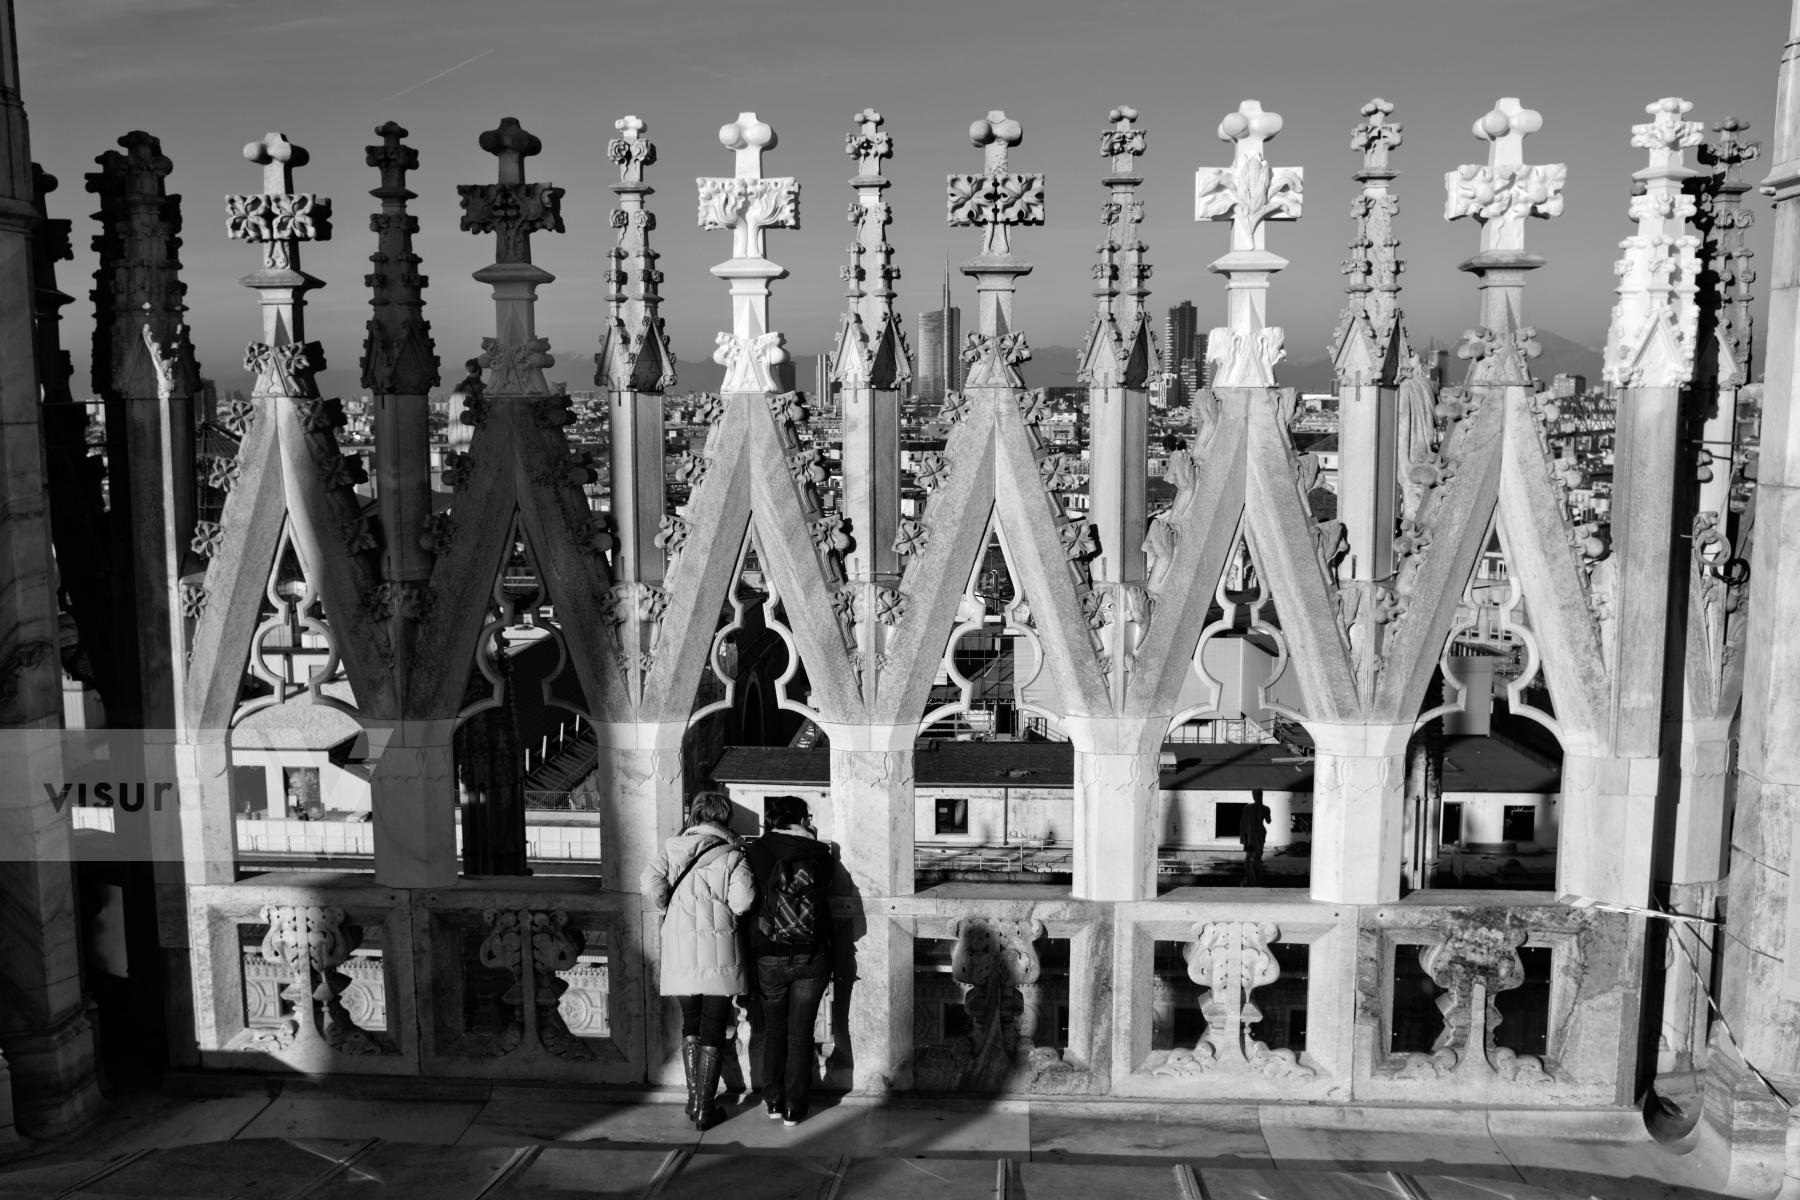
x=790, y=907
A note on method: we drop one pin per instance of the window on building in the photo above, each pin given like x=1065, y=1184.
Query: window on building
x=302, y=787
x=1519, y=823
x=1452, y=832
x=952, y=816
x=1226, y=819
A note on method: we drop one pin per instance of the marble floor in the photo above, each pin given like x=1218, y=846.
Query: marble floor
x=225, y=1138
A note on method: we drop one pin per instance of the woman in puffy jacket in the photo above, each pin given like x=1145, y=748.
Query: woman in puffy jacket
x=702, y=883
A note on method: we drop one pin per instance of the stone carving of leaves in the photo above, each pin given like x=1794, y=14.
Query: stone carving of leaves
x=671, y=534
x=690, y=468
x=208, y=540
x=829, y=536
x=358, y=534
x=912, y=537
x=439, y=531
x=890, y=606
x=934, y=471
x=1078, y=539
x=843, y=603
x=457, y=469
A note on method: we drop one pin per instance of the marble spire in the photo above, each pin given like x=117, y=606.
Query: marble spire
x=1250, y=193
x=871, y=349
x=512, y=210
x=995, y=201
x=634, y=351
x=747, y=204
x=1499, y=196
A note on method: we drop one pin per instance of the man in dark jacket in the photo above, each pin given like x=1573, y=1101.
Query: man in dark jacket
x=790, y=935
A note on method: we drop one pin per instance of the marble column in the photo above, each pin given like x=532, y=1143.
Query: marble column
x=415, y=818
x=1606, y=824
x=44, y=1030
x=1116, y=810
x=872, y=812
x=1696, y=871
x=640, y=789
x=1761, y=971
x=1359, y=795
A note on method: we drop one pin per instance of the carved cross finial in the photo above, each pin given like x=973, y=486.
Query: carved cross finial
x=1248, y=128
x=1505, y=127
x=1666, y=135
x=1249, y=192
x=631, y=150
x=749, y=137
x=278, y=157
x=996, y=199
x=144, y=163
x=278, y=217
x=392, y=158
x=1124, y=141
x=1502, y=193
x=994, y=135
x=868, y=144
x=747, y=204
x=511, y=209
x=1729, y=152
x=1375, y=136
x=512, y=144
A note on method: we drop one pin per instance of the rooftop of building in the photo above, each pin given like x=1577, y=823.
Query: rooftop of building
x=1471, y=764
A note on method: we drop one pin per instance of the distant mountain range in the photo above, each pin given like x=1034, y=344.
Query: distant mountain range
x=1054, y=366
x=1560, y=355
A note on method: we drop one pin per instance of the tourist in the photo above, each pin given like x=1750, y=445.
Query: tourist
x=791, y=936
x=1252, y=835
x=702, y=883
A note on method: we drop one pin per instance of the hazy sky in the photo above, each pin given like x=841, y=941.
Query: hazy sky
x=208, y=75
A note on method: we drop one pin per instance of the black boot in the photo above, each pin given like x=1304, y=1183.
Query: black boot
x=690, y=1064
x=710, y=1060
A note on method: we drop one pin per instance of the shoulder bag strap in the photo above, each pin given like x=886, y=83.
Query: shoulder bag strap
x=692, y=863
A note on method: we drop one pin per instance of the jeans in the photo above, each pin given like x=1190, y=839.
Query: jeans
x=792, y=986
x=705, y=1017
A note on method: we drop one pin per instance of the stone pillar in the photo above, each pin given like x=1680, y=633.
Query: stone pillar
x=208, y=823
x=1359, y=797
x=640, y=795
x=639, y=783
x=1119, y=361
x=870, y=364
x=1696, y=871
x=414, y=785
x=635, y=366
x=1606, y=826
x=44, y=1031
x=1116, y=805
x=872, y=812
x=1367, y=357
x=399, y=368
x=1761, y=972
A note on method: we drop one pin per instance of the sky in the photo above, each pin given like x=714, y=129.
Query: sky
x=207, y=76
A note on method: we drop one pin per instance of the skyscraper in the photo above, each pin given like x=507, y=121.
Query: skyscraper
x=1182, y=334
x=940, y=348
x=1184, y=352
